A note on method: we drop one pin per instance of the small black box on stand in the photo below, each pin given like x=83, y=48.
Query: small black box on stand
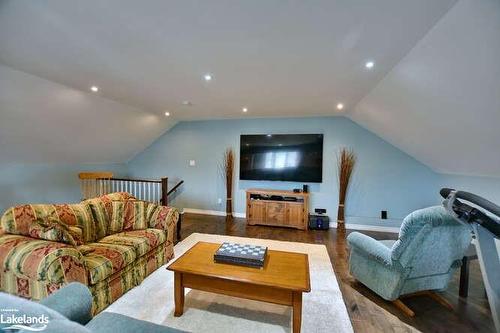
x=319, y=221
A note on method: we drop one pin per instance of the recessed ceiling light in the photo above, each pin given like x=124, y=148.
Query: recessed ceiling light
x=244, y=110
x=369, y=64
x=340, y=106
x=167, y=114
x=208, y=77
x=187, y=103
x=94, y=88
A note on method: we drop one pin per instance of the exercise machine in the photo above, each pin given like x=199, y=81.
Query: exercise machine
x=483, y=217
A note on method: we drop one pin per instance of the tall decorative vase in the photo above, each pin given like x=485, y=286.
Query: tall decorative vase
x=346, y=159
x=228, y=173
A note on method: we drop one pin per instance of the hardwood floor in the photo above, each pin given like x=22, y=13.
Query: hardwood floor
x=368, y=312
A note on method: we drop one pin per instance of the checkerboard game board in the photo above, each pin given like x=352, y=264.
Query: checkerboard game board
x=241, y=254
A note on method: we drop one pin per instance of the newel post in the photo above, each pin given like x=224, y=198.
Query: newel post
x=164, y=191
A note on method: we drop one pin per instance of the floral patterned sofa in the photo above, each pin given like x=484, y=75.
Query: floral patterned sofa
x=110, y=243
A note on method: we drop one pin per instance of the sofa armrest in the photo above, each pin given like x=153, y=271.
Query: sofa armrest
x=370, y=247
x=41, y=260
x=74, y=301
x=165, y=218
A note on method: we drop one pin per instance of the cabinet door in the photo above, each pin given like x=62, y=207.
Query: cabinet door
x=295, y=214
x=257, y=212
x=275, y=213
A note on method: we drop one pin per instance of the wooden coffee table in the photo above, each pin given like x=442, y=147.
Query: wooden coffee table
x=283, y=279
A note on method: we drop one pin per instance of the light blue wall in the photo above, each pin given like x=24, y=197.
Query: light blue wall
x=385, y=178
x=23, y=183
x=487, y=187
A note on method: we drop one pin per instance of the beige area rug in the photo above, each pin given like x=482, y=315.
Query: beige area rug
x=323, y=309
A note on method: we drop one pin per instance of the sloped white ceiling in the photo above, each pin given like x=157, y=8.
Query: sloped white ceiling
x=434, y=91
x=277, y=57
x=45, y=122
x=441, y=103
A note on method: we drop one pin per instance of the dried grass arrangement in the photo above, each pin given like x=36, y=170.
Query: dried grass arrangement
x=346, y=160
x=227, y=169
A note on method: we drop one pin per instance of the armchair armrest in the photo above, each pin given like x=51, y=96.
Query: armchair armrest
x=370, y=247
x=74, y=301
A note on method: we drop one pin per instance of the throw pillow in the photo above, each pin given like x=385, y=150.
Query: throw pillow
x=54, y=230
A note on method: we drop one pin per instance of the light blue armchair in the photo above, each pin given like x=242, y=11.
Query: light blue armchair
x=68, y=310
x=430, y=247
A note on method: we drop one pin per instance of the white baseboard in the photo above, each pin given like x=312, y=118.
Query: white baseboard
x=210, y=212
x=366, y=227
x=350, y=226
x=374, y=224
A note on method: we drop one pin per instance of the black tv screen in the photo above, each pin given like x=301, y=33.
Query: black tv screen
x=285, y=157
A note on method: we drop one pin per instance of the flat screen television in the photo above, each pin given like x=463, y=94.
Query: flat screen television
x=284, y=157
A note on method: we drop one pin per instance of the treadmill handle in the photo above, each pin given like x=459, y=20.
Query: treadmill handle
x=471, y=214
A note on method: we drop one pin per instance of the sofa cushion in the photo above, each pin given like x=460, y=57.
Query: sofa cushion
x=107, y=259
x=102, y=209
x=127, y=215
x=41, y=260
x=143, y=241
x=78, y=217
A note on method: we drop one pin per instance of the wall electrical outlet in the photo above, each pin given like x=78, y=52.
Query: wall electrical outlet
x=192, y=162
x=219, y=201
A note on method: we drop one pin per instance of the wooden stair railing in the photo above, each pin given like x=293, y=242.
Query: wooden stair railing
x=174, y=189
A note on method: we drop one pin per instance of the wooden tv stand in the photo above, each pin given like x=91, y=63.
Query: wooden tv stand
x=265, y=210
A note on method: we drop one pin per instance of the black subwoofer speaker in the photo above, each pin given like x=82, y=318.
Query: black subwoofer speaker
x=319, y=222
